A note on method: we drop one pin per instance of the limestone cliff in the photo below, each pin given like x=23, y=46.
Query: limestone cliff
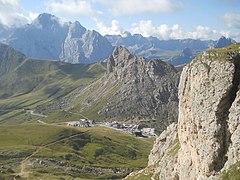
x=207, y=90
x=208, y=124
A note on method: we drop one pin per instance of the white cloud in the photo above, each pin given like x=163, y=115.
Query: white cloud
x=72, y=8
x=114, y=29
x=128, y=7
x=11, y=13
x=232, y=20
x=205, y=32
x=147, y=28
x=32, y=16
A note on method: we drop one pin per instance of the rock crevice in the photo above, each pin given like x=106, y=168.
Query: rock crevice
x=222, y=115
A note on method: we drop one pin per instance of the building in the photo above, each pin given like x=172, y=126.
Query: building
x=74, y=124
x=148, y=132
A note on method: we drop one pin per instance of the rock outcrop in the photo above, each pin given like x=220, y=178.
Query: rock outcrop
x=148, y=89
x=207, y=90
x=209, y=120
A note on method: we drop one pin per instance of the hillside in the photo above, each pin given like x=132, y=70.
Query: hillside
x=132, y=90
x=27, y=83
x=124, y=88
x=36, y=151
x=33, y=150
x=204, y=144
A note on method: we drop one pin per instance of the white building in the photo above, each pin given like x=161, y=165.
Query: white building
x=74, y=124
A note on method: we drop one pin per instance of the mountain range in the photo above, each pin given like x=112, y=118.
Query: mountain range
x=201, y=100
x=124, y=87
x=48, y=37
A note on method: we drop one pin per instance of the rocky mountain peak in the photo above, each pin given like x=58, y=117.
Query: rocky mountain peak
x=49, y=37
x=46, y=20
x=121, y=52
x=150, y=86
x=76, y=30
x=223, y=41
x=126, y=34
x=119, y=59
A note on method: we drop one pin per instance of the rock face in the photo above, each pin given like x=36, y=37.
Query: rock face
x=84, y=46
x=165, y=158
x=207, y=90
x=208, y=124
x=43, y=38
x=47, y=37
x=148, y=89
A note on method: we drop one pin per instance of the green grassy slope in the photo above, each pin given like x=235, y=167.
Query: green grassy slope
x=31, y=82
x=9, y=59
x=88, y=153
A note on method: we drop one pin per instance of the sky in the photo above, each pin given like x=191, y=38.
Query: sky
x=165, y=19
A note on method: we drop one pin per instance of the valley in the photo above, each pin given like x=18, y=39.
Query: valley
x=37, y=96
x=49, y=151
x=123, y=97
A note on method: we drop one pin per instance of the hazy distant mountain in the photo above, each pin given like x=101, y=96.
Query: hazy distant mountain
x=49, y=38
x=137, y=43
x=4, y=32
x=223, y=41
x=183, y=58
x=167, y=50
x=84, y=46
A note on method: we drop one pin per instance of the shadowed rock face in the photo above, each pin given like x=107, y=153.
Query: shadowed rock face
x=208, y=122
x=148, y=89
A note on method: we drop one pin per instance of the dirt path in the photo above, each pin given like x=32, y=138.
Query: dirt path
x=24, y=163
x=36, y=114
x=42, y=122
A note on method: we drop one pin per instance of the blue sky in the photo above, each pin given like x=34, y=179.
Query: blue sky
x=165, y=19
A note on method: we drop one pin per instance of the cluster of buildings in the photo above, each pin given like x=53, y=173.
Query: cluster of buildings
x=128, y=128
x=82, y=123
